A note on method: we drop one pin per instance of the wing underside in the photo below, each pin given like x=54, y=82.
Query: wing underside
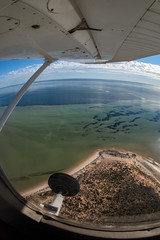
x=79, y=30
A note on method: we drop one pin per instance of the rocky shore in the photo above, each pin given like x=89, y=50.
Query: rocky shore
x=115, y=184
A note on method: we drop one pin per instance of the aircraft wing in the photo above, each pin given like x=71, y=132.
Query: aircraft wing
x=79, y=30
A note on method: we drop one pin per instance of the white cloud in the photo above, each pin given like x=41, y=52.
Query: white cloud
x=138, y=68
x=133, y=68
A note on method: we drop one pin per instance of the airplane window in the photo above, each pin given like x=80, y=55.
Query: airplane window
x=105, y=133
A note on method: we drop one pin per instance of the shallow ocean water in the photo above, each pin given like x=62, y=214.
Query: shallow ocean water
x=59, y=123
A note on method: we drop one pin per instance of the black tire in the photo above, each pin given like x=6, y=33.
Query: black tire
x=64, y=183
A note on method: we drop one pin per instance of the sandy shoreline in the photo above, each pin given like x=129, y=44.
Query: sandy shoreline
x=69, y=171
x=83, y=163
x=148, y=165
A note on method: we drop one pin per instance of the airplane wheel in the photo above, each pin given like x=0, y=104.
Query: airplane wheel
x=64, y=184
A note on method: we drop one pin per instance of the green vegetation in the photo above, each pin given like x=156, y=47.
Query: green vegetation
x=38, y=140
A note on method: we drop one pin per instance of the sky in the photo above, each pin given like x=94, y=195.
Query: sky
x=146, y=70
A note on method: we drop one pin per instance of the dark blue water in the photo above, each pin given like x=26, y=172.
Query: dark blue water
x=79, y=91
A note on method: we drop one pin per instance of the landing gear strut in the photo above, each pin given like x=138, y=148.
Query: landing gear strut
x=63, y=185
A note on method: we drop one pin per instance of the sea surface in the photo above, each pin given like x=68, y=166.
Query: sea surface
x=61, y=122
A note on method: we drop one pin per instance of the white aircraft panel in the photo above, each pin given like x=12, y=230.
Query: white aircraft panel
x=144, y=40
x=36, y=36
x=116, y=19
x=82, y=30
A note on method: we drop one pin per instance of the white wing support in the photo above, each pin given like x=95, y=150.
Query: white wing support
x=79, y=30
x=21, y=92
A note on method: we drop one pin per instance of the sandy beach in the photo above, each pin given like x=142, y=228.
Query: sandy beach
x=83, y=163
x=69, y=171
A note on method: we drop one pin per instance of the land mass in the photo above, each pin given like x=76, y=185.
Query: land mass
x=115, y=184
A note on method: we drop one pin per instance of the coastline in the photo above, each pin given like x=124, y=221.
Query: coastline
x=34, y=189
x=77, y=167
x=82, y=164
x=148, y=165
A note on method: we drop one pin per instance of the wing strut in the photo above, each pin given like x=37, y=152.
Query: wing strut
x=22, y=91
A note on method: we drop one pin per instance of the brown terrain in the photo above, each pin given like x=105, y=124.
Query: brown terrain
x=116, y=184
